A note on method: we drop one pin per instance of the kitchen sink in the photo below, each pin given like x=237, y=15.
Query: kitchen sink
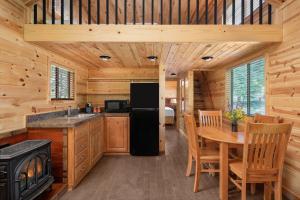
x=85, y=115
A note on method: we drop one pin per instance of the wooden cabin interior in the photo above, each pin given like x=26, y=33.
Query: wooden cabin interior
x=107, y=99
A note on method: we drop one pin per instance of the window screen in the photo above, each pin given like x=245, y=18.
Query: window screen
x=247, y=87
x=61, y=83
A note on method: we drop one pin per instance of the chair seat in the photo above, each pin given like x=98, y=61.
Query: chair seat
x=253, y=175
x=209, y=154
x=237, y=168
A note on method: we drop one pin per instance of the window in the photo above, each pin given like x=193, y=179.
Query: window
x=61, y=83
x=238, y=11
x=246, y=87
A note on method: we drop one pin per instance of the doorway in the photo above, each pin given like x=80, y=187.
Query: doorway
x=170, y=103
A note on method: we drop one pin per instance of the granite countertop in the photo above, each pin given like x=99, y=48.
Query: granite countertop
x=69, y=122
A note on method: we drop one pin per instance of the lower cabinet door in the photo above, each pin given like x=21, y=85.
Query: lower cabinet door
x=93, y=147
x=81, y=170
x=96, y=140
x=117, y=134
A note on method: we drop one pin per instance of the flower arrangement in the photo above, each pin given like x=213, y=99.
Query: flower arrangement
x=235, y=115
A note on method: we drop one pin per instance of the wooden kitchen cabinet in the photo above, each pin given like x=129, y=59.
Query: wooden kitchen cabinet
x=117, y=134
x=96, y=140
x=78, y=153
x=85, y=148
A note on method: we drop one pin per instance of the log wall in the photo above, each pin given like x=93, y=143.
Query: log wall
x=24, y=72
x=114, y=83
x=186, y=94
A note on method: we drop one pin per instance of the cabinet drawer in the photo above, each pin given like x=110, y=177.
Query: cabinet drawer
x=81, y=170
x=81, y=157
x=81, y=144
x=82, y=131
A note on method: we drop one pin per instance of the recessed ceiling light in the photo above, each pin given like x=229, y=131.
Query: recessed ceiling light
x=152, y=58
x=105, y=57
x=173, y=74
x=207, y=58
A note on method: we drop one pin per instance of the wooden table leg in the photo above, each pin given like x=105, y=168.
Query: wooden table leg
x=223, y=171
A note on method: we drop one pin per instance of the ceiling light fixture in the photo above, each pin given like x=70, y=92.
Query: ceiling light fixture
x=152, y=58
x=207, y=58
x=105, y=57
x=173, y=74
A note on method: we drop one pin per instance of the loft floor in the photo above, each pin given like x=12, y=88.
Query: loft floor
x=148, y=178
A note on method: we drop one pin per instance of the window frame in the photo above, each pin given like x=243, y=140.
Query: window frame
x=230, y=95
x=49, y=82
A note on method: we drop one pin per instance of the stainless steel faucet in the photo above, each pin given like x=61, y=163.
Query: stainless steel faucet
x=69, y=111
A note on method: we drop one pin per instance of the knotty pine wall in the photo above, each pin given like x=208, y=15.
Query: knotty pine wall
x=114, y=83
x=186, y=94
x=24, y=71
x=282, y=87
x=171, y=89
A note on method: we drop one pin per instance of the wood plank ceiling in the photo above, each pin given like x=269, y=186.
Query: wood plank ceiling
x=177, y=57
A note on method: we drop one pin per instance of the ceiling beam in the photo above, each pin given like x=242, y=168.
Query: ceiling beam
x=152, y=33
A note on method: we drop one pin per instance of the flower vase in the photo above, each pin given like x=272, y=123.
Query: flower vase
x=234, y=126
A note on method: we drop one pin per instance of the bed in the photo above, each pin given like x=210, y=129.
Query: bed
x=169, y=115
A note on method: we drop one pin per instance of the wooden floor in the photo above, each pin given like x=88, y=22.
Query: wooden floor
x=148, y=178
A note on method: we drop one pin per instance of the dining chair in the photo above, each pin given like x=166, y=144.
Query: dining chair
x=263, y=157
x=258, y=118
x=200, y=155
x=210, y=119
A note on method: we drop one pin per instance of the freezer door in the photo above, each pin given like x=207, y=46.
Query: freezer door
x=144, y=95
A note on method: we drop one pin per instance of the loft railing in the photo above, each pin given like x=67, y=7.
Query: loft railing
x=231, y=12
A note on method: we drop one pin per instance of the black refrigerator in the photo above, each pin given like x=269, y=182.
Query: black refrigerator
x=144, y=119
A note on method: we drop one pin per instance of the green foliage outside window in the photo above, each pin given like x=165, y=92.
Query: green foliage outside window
x=247, y=87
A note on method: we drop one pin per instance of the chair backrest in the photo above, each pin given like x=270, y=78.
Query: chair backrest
x=191, y=129
x=210, y=118
x=265, y=147
x=265, y=119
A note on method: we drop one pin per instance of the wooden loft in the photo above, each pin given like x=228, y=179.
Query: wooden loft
x=138, y=20
x=177, y=31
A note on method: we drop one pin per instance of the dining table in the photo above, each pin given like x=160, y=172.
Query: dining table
x=226, y=139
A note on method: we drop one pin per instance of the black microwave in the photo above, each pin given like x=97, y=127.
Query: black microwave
x=116, y=106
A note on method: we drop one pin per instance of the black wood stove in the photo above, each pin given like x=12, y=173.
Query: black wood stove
x=25, y=170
